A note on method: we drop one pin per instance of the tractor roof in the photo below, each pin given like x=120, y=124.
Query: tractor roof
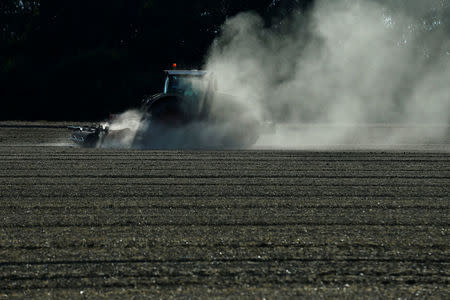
x=186, y=72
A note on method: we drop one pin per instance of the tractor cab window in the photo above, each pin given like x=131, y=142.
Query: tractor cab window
x=189, y=86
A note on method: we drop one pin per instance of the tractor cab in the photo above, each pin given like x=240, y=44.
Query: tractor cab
x=185, y=83
x=189, y=82
x=192, y=90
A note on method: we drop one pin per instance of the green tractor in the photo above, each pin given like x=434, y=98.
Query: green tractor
x=189, y=113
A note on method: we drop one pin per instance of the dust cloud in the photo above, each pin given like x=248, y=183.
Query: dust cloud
x=337, y=73
x=132, y=130
x=358, y=72
x=122, y=130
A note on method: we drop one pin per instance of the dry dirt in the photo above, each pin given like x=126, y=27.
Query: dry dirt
x=120, y=223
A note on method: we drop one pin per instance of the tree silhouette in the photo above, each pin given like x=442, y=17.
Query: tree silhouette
x=62, y=59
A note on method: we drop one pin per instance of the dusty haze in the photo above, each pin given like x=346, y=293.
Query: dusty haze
x=348, y=72
x=340, y=67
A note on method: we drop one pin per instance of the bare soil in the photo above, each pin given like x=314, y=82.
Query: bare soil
x=117, y=223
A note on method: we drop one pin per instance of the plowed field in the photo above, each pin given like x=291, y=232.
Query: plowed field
x=122, y=223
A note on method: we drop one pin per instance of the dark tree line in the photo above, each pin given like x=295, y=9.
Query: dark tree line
x=83, y=59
